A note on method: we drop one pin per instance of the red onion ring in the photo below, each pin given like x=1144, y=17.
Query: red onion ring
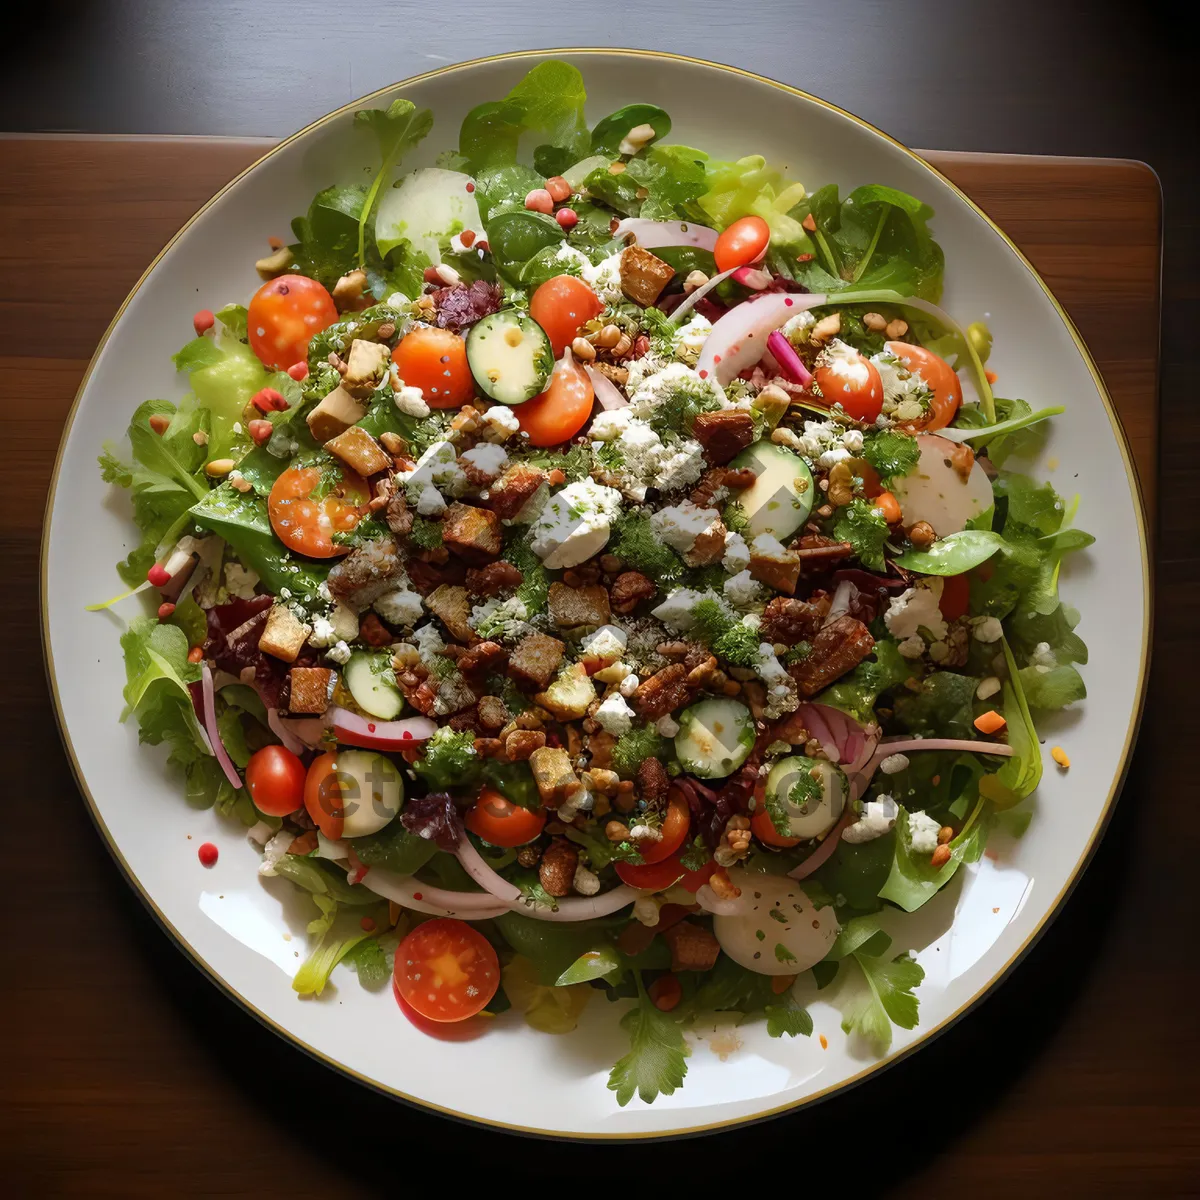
x=483, y=875
x=210, y=726
x=608, y=395
x=819, y=856
x=440, y=902
x=667, y=233
x=694, y=298
x=739, y=339
x=789, y=361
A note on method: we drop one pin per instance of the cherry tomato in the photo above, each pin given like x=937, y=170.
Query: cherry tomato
x=446, y=970
x=275, y=777
x=435, y=360
x=461, y=1031
x=656, y=877
x=562, y=410
x=560, y=306
x=282, y=317
x=956, y=597
x=305, y=525
x=853, y=382
x=323, y=796
x=764, y=829
x=501, y=822
x=744, y=242
x=674, y=828
x=941, y=380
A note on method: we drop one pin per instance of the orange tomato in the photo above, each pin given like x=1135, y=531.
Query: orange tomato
x=275, y=778
x=764, y=829
x=674, y=828
x=323, y=796
x=562, y=410
x=282, y=317
x=435, y=360
x=502, y=823
x=939, y=378
x=744, y=242
x=561, y=306
x=446, y=970
x=854, y=383
x=306, y=525
x=956, y=597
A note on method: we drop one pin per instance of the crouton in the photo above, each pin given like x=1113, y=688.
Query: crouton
x=309, y=689
x=493, y=713
x=723, y=434
x=335, y=414
x=780, y=573
x=521, y=743
x=366, y=365
x=692, y=947
x=552, y=772
x=510, y=493
x=533, y=663
x=643, y=275
x=572, y=607
x=473, y=534
x=450, y=605
x=284, y=634
x=570, y=696
x=482, y=658
x=359, y=451
x=366, y=573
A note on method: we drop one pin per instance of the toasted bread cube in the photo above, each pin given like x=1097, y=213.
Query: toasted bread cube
x=359, y=451
x=284, y=634
x=643, y=275
x=532, y=664
x=335, y=414
x=310, y=689
x=570, y=696
x=366, y=365
x=572, y=607
x=553, y=774
x=474, y=534
x=450, y=605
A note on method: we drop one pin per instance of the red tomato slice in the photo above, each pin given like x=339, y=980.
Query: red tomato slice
x=282, y=317
x=323, y=796
x=764, y=829
x=744, y=242
x=656, y=877
x=956, y=597
x=502, y=823
x=306, y=525
x=459, y=1031
x=939, y=377
x=446, y=970
x=275, y=778
x=562, y=410
x=674, y=828
x=854, y=383
x=435, y=360
x=561, y=306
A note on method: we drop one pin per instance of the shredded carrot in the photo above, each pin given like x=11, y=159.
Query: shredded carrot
x=889, y=506
x=556, y=477
x=991, y=376
x=824, y=1042
x=990, y=722
x=1060, y=756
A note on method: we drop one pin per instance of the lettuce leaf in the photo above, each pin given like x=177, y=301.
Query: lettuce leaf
x=312, y=977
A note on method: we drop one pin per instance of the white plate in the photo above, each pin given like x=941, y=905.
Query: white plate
x=235, y=926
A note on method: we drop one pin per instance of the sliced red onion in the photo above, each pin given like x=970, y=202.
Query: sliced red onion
x=580, y=908
x=739, y=339
x=423, y=897
x=483, y=875
x=908, y=745
x=355, y=730
x=608, y=395
x=210, y=725
x=667, y=233
x=283, y=733
x=752, y=278
x=790, y=363
x=815, y=723
x=823, y=852
x=710, y=902
x=694, y=298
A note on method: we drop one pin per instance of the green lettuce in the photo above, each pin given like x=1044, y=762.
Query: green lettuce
x=912, y=880
x=314, y=974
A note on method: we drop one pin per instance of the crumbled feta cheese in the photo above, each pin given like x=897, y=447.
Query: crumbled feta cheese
x=429, y=502
x=797, y=329
x=499, y=423
x=852, y=440
x=429, y=645
x=606, y=280
x=667, y=726
x=782, y=694
x=737, y=554
x=339, y=652
x=831, y=458
x=1043, y=657
x=672, y=378
x=575, y=524
x=878, y=816
x=645, y=833
x=894, y=764
x=766, y=545
x=585, y=882
x=645, y=910
x=916, y=609
x=324, y=592
x=323, y=632
x=400, y=607
x=923, y=832
x=743, y=590
x=988, y=629
x=608, y=642
x=575, y=262
x=906, y=396
x=681, y=524
x=614, y=715
x=408, y=399
x=437, y=466
x=487, y=458
x=240, y=581
x=609, y=424
x=690, y=339
x=681, y=465
x=676, y=609
x=912, y=647
x=818, y=437
x=987, y=687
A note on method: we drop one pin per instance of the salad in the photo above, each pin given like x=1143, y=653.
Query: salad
x=598, y=572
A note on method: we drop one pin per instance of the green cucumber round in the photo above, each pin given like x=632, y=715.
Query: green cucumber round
x=510, y=356
x=715, y=737
x=779, y=501
x=815, y=809
x=365, y=675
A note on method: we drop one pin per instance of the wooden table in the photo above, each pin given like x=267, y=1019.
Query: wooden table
x=126, y=1074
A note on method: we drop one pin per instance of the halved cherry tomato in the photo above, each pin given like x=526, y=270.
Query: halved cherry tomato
x=674, y=828
x=502, y=823
x=459, y=1031
x=872, y=485
x=275, y=778
x=435, y=360
x=764, y=829
x=282, y=317
x=560, y=306
x=656, y=877
x=956, y=597
x=306, y=525
x=446, y=970
x=941, y=380
x=744, y=242
x=562, y=410
x=853, y=382
x=323, y=796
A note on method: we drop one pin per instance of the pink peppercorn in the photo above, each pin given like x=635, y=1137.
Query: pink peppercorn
x=157, y=575
x=298, y=371
x=203, y=321
x=558, y=188
x=207, y=854
x=467, y=237
x=539, y=200
x=568, y=218
x=165, y=611
x=260, y=431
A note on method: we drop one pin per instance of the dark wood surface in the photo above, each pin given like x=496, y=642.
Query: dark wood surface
x=127, y=1074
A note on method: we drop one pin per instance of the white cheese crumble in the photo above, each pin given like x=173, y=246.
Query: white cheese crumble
x=916, y=609
x=737, y=553
x=608, y=642
x=667, y=726
x=690, y=339
x=499, y=423
x=743, y=590
x=988, y=629
x=606, y=280
x=339, y=652
x=923, y=832
x=681, y=524
x=400, y=607
x=429, y=502
x=782, y=694
x=487, y=458
x=437, y=466
x=878, y=816
x=575, y=524
x=677, y=609
x=614, y=714
x=408, y=399
x=240, y=581
x=894, y=764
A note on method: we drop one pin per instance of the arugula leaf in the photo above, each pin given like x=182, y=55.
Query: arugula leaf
x=656, y=1063
x=864, y=527
x=892, y=454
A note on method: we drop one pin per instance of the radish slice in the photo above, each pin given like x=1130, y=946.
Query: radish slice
x=667, y=233
x=752, y=278
x=695, y=297
x=935, y=492
x=283, y=733
x=483, y=875
x=210, y=727
x=580, y=908
x=608, y=395
x=423, y=897
x=355, y=730
x=739, y=339
x=710, y=902
x=789, y=361
x=823, y=852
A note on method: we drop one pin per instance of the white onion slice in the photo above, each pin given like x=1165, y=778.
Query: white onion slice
x=608, y=395
x=483, y=875
x=908, y=745
x=580, y=908
x=667, y=233
x=423, y=897
x=210, y=726
x=752, y=278
x=739, y=339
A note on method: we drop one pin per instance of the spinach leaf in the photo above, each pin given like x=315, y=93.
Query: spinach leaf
x=912, y=880
x=610, y=132
x=953, y=555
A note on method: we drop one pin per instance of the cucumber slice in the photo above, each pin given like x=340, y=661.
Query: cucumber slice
x=817, y=811
x=373, y=692
x=780, y=499
x=510, y=356
x=715, y=737
x=372, y=791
